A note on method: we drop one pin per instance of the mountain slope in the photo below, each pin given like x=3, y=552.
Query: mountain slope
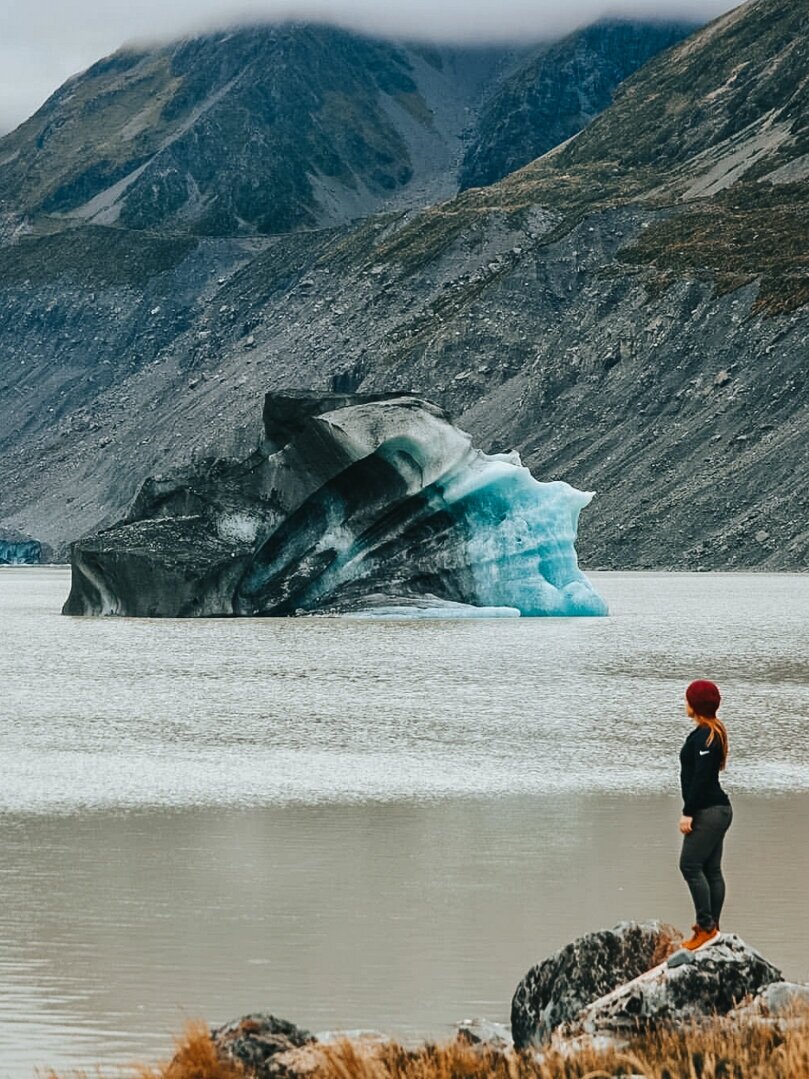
x=558, y=92
x=600, y=310
x=259, y=130
x=716, y=131
x=266, y=130
x=732, y=100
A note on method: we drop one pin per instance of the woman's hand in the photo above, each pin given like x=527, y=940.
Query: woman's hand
x=686, y=824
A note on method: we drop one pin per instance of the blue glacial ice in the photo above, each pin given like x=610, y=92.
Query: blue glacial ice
x=521, y=536
x=20, y=552
x=372, y=505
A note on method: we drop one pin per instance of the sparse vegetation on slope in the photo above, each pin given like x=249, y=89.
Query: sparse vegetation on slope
x=752, y=232
x=747, y=71
x=93, y=256
x=730, y=104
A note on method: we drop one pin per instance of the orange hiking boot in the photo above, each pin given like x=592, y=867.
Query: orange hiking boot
x=700, y=937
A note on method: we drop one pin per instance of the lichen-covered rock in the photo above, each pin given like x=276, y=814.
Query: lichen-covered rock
x=300, y=1063
x=258, y=1040
x=350, y=503
x=272, y=1048
x=710, y=982
x=778, y=1000
x=360, y=1036
x=557, y=989
x=485, y=1033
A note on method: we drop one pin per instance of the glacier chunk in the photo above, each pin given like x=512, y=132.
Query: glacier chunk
x=20, y=552
x=372, y=504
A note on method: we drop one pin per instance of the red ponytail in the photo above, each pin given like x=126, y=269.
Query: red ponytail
x=718, y=730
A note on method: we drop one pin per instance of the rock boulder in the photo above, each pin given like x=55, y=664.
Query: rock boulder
x=778, y=1000
x=557, y=989
x=691, y=985
x=260, y=1042
x=271, y=1048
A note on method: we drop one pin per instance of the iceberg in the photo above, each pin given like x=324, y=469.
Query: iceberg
x=20, y=552
x=373, y=505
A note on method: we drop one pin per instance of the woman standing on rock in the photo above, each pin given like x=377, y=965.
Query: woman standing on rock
x=706, y=810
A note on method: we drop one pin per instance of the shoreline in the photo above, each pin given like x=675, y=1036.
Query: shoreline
x=602, y=1002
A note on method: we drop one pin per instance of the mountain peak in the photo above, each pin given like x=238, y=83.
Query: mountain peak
x=275, y=128
x=261, y=129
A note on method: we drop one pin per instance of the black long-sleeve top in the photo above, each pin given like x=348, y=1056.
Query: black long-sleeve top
x=699, y=772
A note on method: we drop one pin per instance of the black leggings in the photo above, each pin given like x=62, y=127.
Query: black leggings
x=701, y=863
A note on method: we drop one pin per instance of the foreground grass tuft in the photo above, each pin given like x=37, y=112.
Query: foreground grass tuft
x=779, y=1050
x=195, y=1057
x=714, y=1052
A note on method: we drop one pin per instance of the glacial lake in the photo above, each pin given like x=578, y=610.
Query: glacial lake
x=375, y=824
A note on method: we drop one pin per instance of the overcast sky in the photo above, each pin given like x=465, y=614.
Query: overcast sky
x=42, y=42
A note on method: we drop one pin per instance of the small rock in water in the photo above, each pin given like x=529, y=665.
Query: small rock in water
x=484, y=1032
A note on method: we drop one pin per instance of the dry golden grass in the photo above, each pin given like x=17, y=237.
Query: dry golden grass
x=195, y=1057
x=712, y=1051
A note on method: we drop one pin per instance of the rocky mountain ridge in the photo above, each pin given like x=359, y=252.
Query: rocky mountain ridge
x=258, y=130
x=271, y=129
x=629, y=312
x=553, y=95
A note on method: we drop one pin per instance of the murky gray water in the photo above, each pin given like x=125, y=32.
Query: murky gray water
x=369, y=824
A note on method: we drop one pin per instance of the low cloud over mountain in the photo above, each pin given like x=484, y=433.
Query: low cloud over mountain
x=37, y=54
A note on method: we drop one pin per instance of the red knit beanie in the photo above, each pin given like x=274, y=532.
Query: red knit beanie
x=704, y=697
